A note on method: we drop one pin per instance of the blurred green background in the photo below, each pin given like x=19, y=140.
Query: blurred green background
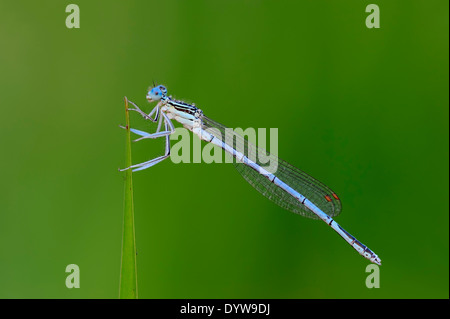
x=363, y=110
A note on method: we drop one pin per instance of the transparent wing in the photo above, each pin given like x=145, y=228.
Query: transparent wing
x=319, y=194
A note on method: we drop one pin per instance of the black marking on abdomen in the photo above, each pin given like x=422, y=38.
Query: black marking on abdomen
x=350, y=236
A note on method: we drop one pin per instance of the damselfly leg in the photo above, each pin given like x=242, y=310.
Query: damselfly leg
x=145, y=115
x=154, y=161
x=169, y=129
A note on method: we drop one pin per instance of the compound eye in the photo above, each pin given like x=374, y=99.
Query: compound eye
x=163, y=89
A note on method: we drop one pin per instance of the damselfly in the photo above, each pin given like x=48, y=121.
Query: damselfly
x=287, y=186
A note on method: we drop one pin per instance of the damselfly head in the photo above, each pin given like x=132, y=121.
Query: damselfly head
x=156, y=93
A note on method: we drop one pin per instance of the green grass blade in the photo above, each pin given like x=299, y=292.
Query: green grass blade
x=128, y=276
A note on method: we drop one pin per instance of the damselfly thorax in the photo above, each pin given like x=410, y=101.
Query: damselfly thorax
x=181, y=112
